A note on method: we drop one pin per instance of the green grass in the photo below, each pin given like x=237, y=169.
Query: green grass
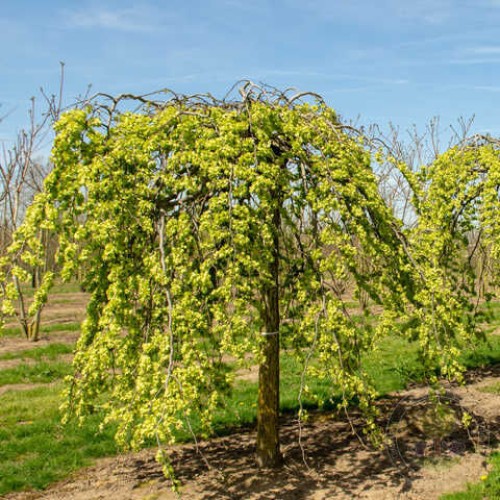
x=49, y=352
x=240, y=411
x=58, y=288
x=38, y=373
x=488, y=487
x=491, y=389
x=61, y=327
x=11, y=332
x=491, y=315
x=36, y=449
x=483, y=354
x=51, y=328
x=394, y=365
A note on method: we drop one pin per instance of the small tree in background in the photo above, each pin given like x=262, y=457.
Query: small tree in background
x=22, y=173
x=456, y=238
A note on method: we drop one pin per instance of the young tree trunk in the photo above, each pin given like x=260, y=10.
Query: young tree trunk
x=34, y=327
x=268, y=446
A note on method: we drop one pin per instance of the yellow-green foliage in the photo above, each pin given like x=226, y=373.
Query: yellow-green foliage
x=455, y=245
x=172, y=211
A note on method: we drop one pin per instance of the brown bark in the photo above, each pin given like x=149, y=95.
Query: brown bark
x=268, y=445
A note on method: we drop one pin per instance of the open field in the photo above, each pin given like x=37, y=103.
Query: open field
x=36, y=450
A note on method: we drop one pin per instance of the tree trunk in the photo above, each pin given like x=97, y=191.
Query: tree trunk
x=34, y=327
x=268, y=446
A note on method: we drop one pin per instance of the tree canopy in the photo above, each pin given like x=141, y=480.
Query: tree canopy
x=456, y=240
x=213, y=230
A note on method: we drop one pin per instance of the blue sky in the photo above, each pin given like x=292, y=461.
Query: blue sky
x=396, y=61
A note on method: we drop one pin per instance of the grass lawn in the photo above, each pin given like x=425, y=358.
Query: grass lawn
x=35, y=448
x=49, y=352
x=44, y=329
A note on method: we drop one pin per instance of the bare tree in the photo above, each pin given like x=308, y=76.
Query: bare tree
x=22, y=172
x=412, y=149
x=416, y=151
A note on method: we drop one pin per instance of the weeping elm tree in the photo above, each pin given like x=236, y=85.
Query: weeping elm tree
x=210, y=232
x=456, y=242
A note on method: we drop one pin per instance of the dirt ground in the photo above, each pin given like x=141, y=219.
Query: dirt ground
x=332, y=463
x=62, y=309
x=323, y=460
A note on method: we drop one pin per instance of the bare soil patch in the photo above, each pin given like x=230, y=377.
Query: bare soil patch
x=61, y=308
x=19, y=344
x=22, y=387
x=5, y=364
x=332, y=462
x=250, y=374
x=66, y=308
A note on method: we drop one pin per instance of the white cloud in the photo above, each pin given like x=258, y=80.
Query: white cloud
x=487, y=88
x=428, y=11
x=488, y=50
x=318, y=75
x=473, y=60
x=478, y=54
x=126, y=19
